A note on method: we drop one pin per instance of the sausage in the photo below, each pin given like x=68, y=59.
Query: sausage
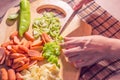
x=11, y=74
x=4, y=74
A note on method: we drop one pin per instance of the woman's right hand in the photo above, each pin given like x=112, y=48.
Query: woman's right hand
x=86, y=50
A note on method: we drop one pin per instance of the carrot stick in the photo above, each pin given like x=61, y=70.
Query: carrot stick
x=7, y=52
x=23, y=48
x=43, y=39
x=2, y=53
x=11, y=74
x=39, y=43
x=18, y=59
x=37, y=48
x=16, y=40
x=29, y=37
x=27, y=44
x=34, y=53
x=47, y=37
x=13, y=34
x=32, y=62
x=39, y=58
x=4, y=74
x=16, y=55
x=6, y=43
x=19, y=76
x=18, y=64
x=23, y=67
x=3, y=59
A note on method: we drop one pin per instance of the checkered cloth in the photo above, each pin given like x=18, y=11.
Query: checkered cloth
x=103, y=24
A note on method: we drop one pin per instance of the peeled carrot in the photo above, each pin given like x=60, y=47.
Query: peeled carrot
x=2, y=52
x=7, y=43
x=16, y=55
x=43, y=39
x=46, y=37
x=18, y=59
x=18, y=64
x=27, y=44
x=11, y=74
x=29, y=37
x=7, y=52
x=23, y=67
x=26, y=60
x=4, y=74
x=37, y=48
x=34, y=53
x=9, y=47
x=38, y=43
x=13, y=34
x=16, y=40
x=23, y=48
x=39, y=58
x=19, y=76
x=32, y=62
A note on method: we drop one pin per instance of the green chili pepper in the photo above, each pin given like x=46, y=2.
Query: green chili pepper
x=24, y=21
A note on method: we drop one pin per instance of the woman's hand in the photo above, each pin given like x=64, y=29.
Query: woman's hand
x=84, y=51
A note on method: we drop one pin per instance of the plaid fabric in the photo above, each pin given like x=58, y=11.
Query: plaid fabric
x=103, y=24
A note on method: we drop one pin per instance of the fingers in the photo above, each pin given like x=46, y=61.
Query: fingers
x=76, y=41
x=68, y=38
x=67, y=44
x=72, y=52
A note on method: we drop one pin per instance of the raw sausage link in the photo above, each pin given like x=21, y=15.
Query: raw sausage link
x=4, y=74
x=11, y=74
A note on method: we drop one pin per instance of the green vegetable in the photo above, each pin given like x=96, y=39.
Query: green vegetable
x=47, y=23
x=51, y=51
x=13, y=16
x=24, y=21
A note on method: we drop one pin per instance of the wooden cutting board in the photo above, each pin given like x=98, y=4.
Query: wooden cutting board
x=75, y=28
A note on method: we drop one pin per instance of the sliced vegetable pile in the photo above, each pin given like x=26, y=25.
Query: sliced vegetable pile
x=47, y=23
x=51, y=51
x=18, y=54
